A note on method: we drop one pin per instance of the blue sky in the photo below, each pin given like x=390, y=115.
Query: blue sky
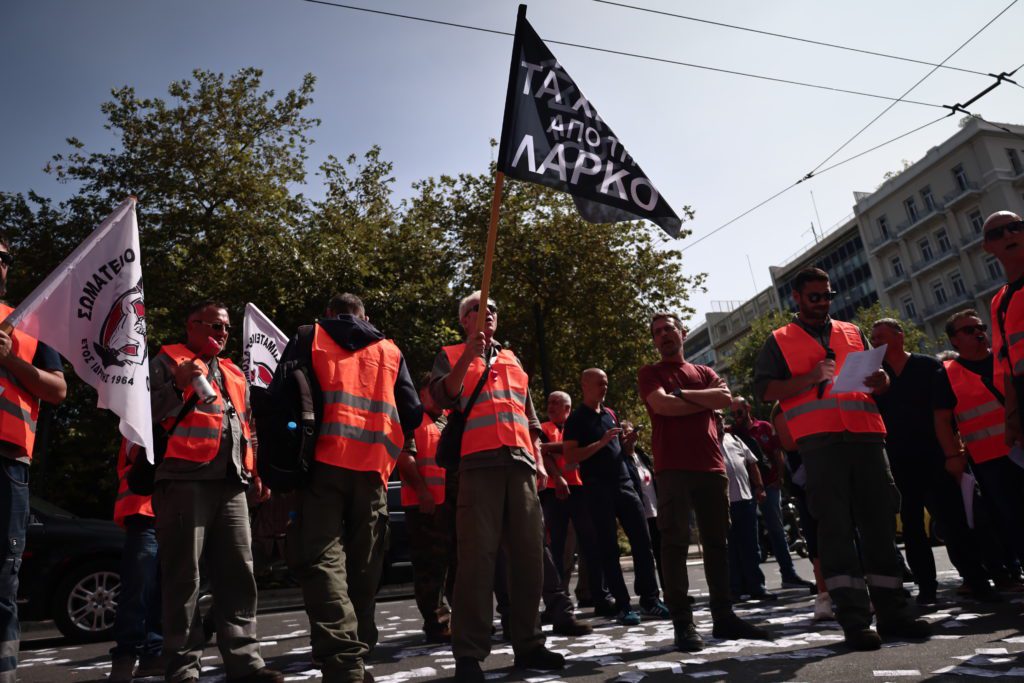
x=432, y=96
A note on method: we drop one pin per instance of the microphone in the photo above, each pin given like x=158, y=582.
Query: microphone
x=823, y=384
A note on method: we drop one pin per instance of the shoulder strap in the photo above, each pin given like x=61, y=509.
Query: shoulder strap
x=479, y=387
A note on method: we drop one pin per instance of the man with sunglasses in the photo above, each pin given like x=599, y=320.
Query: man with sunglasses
x=200, y=499
x=969, y=396
x=30, y=372
x=499, y=471
x=841, y=440
x=1004, y=239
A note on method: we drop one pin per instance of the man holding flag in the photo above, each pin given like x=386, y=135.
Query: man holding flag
x=30, y=372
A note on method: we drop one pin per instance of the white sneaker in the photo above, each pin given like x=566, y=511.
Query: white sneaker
x=823, y=608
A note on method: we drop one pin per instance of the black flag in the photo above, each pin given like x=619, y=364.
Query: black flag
x=553, y=135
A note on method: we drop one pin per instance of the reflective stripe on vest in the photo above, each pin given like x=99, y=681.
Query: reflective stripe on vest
x=570, y=470
x=198, y=436
x=498, y=417
x=360, y=429
x=1010, y=359
x=427, y=437
x=806, y=413
x=980, y=418
x=19, y=409
x=128, y=503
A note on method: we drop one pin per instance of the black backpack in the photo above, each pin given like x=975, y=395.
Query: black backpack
x=288, y=415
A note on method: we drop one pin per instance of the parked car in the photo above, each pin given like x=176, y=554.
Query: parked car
x=69, y=572
x=397, y=562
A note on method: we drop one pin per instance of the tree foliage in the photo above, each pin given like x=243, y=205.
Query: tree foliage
x=219, y=168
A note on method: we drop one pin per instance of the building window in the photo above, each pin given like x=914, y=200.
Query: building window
x=909, y=308
x=911, y=206
x=977, y=221
x=897, y=266
x=1014, y=161
x=995, y=271
x=925, y=247
x=942, y=239
x=926, y=197
x=960, y=176
x=959, y=288
x=939, y=291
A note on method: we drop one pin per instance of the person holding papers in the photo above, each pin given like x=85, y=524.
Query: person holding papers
x=841, y=440
x=969, y=390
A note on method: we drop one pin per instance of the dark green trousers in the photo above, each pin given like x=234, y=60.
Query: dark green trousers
x=430, y=546
x=336, y=546
x=707, y=495
x=850, y=490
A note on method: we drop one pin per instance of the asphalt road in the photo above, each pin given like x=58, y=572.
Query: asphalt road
x=973, y=641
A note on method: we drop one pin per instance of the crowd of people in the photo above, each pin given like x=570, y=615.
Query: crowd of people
x=503, y=508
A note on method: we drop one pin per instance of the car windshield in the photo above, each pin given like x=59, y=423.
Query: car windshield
x=49, y=509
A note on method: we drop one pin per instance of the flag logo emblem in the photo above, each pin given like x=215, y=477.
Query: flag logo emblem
x=123, y=333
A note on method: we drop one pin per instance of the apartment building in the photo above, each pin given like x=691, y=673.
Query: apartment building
x=922, y=227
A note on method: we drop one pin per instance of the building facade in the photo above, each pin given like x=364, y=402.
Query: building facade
x=922, y=227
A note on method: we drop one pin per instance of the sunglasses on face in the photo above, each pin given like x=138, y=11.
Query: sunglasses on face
x=490, y=307
x=997, y=233
x=815, y=297
x=972, y=329
x=216, y=327
x=7, y=258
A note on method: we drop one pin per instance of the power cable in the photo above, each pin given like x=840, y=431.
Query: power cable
x=634, y=55
x=909, y=90
x=788, y=37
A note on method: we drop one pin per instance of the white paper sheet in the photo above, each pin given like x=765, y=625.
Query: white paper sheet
x=857, y=366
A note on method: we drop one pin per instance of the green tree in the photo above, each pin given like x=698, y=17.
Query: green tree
x=914, y=338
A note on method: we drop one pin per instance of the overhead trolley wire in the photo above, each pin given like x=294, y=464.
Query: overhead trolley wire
x=809, y=41
x=622, y=53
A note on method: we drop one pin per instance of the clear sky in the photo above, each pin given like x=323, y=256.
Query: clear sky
x=432, y=96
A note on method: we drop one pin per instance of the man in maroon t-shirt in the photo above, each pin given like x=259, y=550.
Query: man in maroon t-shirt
x=690, y=475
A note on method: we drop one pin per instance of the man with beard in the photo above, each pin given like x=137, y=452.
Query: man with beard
x=841, y=439
x=689, y=471
x=30, y=372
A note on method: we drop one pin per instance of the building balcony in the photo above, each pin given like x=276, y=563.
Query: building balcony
x=918, y=267
x=876, y=243
x=971, y=240
x=948, y=305
x=890, y=282
x=960, y=194
x=988, y=287
x=924, y=218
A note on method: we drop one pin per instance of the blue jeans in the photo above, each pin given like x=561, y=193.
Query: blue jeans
x=745, y=576
x=14, y=511
x=771, y=514
x=137, y=625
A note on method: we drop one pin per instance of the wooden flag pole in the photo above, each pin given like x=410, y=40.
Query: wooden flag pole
x=492, y=238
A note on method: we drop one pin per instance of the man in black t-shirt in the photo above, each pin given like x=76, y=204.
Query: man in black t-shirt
x=591, y=438
x=1000, y=479
x=917, y=463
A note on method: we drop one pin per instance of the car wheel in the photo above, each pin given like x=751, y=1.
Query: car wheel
x=85, y=601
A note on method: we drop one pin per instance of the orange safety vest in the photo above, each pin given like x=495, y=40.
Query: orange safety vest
x=360, y=429
x=980, y=416
x=806, y=414
x=19, y=408
x=128, y=503
x=498, y=417
x=427, y=437
x=197, y=437
x=570, y=470
x=1011, y=358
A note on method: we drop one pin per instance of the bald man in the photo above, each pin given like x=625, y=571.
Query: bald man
x=1004, y=239
x=593, y=439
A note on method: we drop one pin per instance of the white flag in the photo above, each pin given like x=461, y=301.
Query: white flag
x=263, y=345
x=90, y=309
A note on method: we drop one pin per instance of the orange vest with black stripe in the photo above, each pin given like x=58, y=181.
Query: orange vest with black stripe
x=360, y=429
x=128, y=503
x=197, y=437
x=427, y=437
x=498, y=417
x=1009, y=358
x=806, y=414
x=19, y=408
x=570, y=470
x=980, y=416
